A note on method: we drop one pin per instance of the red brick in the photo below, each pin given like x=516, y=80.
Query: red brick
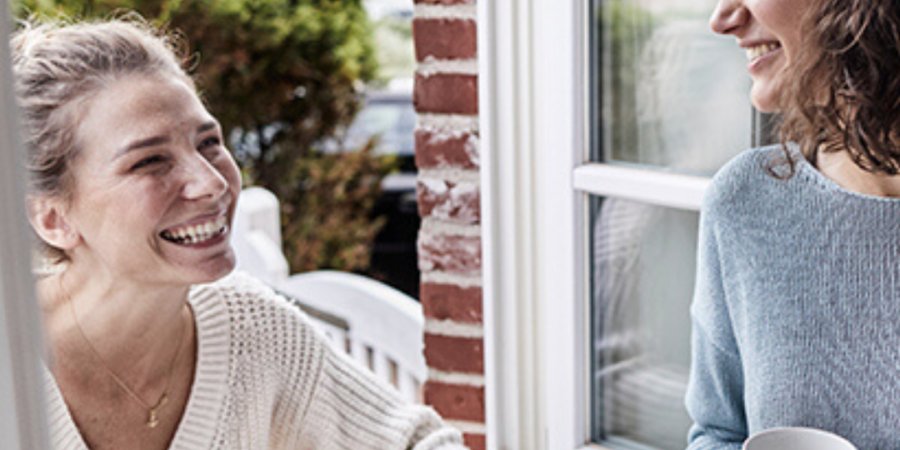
x=449, y=302
x=449, y=253
x=456, y=402
x=445, y=149
x=444, y=2
x=454, y=354
x=446, y=93
x=445, y=39
x=475, y=441
x=449, y=202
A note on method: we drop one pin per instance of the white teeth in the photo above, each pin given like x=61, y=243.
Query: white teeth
x=193, y=234
x=757, y=51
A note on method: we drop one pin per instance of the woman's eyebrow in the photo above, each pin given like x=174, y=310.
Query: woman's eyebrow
x=159, y=140
x=141, y=143
x=206, y=126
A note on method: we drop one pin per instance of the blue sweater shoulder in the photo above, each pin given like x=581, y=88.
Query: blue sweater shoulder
x=751, y=172
x=754, y=184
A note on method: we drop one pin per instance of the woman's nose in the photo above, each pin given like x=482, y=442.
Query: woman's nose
x=203, y=180
x=728, y=16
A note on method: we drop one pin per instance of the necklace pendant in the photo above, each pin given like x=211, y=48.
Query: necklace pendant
x=153, y=422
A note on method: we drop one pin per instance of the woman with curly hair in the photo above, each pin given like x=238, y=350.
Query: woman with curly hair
x=155, y=343
x=796, y=315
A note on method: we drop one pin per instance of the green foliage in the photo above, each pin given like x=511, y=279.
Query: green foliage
x=280, y=75
x=326, y=236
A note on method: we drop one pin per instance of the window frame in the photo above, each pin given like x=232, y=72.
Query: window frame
x=536, y=180
x=22, y=420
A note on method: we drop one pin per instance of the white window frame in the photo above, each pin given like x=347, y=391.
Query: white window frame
x=22, y=418
x=533, y=103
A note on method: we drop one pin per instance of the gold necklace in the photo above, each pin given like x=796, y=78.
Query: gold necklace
x=152, y=411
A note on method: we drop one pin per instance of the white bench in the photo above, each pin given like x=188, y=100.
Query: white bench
x=384, y=327
x=256, y=237
x=377, y=325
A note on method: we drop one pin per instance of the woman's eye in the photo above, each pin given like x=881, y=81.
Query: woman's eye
x=149, y=161
x=210, y=142
x=210, y=145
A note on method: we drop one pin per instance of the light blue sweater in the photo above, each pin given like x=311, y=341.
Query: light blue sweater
x=796, y=312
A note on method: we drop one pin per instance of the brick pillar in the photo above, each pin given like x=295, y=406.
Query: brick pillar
x=447, y=155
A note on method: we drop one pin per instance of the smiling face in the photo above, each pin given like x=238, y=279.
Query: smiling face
x=154, y=188
x=769, y=31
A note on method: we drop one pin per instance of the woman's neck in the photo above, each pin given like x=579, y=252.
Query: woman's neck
x=840, y=168
x=135, y=329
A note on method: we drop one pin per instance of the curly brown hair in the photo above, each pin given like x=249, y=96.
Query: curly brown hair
x=843, y=91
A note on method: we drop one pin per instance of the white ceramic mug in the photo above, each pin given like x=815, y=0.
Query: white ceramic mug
x=796, y=438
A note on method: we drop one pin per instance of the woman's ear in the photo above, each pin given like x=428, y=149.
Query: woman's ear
x=48, y=218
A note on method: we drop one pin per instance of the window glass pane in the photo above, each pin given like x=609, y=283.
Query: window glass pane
x=642, y=270
x=666, y=91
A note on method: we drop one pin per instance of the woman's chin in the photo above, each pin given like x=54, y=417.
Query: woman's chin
x=765, y=98
x=218, y=269
x=203, y=262
x=207, y=270
x=764, y=104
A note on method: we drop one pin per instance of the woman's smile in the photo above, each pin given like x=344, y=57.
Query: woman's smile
x=764, y=57
x=756, y=52
x=153, y=160
x=214, y=229
x=767, y=31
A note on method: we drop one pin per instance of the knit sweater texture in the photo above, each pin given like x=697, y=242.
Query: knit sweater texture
x=796, y=315
x=266, y=379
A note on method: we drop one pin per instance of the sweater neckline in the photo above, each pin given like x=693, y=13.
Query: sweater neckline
x=816, y=176
x=207, y=396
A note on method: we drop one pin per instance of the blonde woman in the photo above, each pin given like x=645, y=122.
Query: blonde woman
x=155, y=344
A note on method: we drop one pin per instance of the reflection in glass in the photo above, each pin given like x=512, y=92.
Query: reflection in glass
x=666, y=91
x=643, y=260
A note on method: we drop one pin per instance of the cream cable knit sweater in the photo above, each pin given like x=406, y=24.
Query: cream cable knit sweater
x=266, y=379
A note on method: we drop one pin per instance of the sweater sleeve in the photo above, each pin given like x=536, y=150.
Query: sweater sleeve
x=351, y=409
x=292, y=390
x=714, y=396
